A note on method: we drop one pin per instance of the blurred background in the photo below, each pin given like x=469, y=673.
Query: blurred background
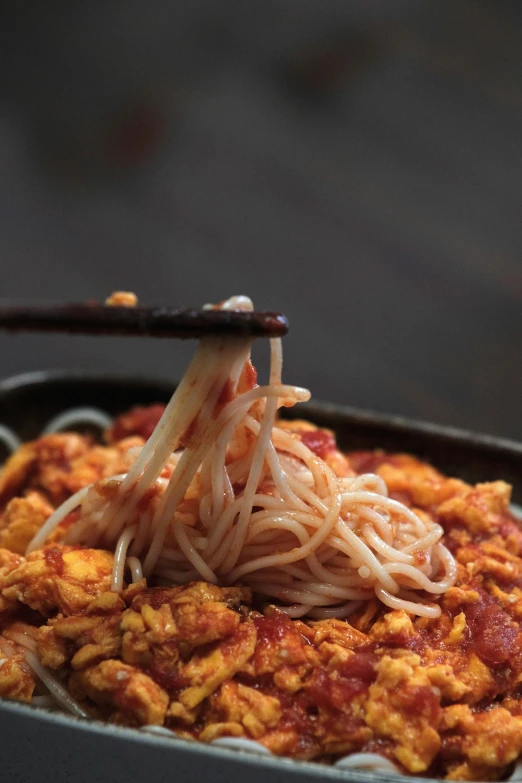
x=356, y=164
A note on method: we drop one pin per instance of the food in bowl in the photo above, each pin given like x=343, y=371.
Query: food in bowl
x=238, y=576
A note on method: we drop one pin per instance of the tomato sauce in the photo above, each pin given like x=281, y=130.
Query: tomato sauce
x=226, y=395
x=54, y=559
x=321, y=442
x=492, y=632
x=141, y=420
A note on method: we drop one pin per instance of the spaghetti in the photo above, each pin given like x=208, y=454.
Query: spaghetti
x=219, y=492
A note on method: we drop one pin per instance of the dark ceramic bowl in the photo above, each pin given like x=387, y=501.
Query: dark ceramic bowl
x=36, y=745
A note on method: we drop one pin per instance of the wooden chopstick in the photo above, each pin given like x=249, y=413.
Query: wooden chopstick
x=97, y=319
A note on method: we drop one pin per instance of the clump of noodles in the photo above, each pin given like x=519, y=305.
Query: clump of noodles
x=220, y=493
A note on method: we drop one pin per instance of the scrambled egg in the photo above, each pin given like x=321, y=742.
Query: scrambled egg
x=438, y=697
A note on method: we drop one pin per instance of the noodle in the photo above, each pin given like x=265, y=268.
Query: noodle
x=9, y=439
x=270, y=512
x=56, y=518
x=76, y=417
x=120, y=558
x=370, y=762
x=133, y=563
x=56, y=690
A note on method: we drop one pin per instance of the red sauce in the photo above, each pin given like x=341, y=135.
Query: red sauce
x=420, y=556
x=228, y=647
x=153, y=596
x=371, y=461
x=54, y=559
x=336, y=694
x=360, y=666
x=452, y=542
x=70, y=519
x=492, y=632
x=226, y=395
x=299, y=714
x=336, y=690
x=141, y=420
x=319, y=441
x=189, y=432
x=248, y=379
x=147, y=498
x=277, y=639
x=451, y=749
x=166, y=674
x=273, y=628
x=419, y=700
x=367, y=461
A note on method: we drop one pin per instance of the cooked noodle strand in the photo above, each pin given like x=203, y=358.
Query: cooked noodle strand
x=248, y=501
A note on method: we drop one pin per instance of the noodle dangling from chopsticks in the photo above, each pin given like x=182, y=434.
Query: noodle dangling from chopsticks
x=220, y=493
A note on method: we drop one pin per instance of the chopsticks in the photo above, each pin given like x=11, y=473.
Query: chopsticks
x=98, y=319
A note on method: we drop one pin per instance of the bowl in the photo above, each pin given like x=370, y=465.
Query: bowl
x=36, y=743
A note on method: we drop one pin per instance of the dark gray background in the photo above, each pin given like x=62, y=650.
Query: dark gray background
x=354, y=164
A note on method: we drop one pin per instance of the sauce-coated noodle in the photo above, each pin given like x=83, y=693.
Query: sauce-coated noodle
x=248, y=501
